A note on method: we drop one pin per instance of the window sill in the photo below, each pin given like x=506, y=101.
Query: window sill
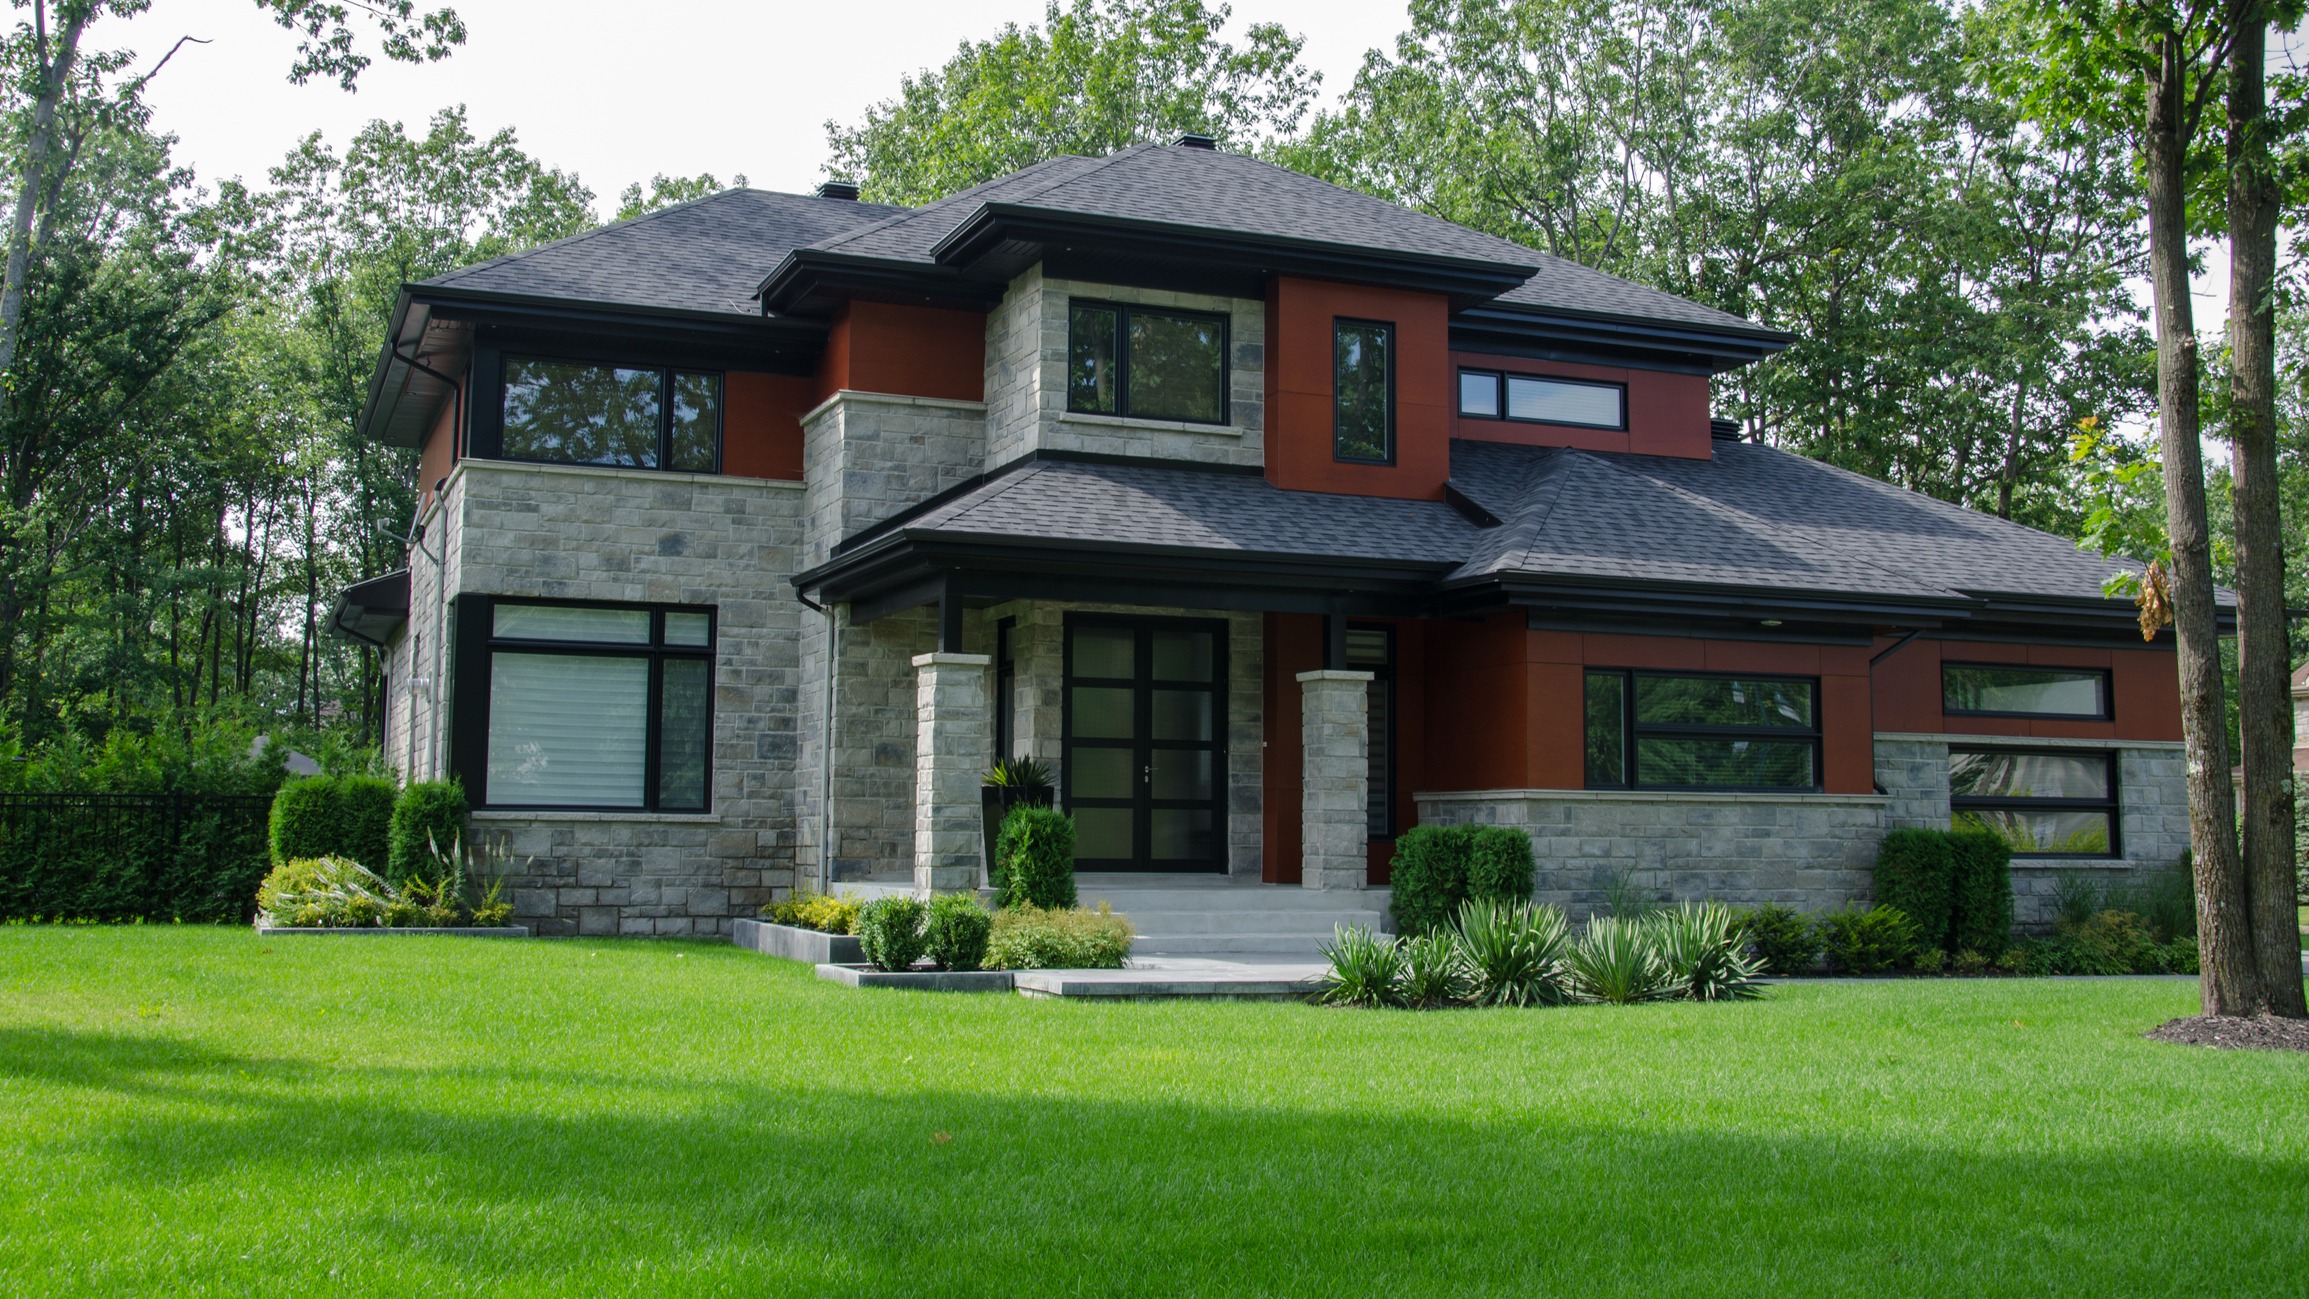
x=476, y=464
x=489, y=814
x=1648, y=796
x=1153, y=425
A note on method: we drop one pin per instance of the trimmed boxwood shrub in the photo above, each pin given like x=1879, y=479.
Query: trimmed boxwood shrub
x=427, y=825
x=1913, y=869
x=1980, y=892
x=1034, y=859
x=334, y=816
x=890, y=931
x=1784, y=938
x=1867, y=942
x=1428, y=877
x=1499, y=865
x=956, y=931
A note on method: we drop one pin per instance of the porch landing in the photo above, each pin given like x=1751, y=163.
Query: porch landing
x=1215, y=918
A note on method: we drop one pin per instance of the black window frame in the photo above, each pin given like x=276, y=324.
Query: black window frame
x=1143, y=683
x=1631, y=731
x=1499, y=380
x=1356, y=322
x=2112, y=804
x=1383, y=684
x=1123, y=312
x=2107, y=713
x=666, y=375
x=1005, y=688
x=479, y=645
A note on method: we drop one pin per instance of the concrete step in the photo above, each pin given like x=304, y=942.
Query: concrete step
x=1300, y=946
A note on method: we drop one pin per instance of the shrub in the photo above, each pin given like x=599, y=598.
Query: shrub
x=1914, y=870
x=1969, y=962
x=2075, y=899
x=1034, y=859
x=1785, y=939
x=2164, y=897
x=2181, y=955
x=1931, y=960
x=1428, y=878
x=334, y=816
x=1435, y=971
x=1617, y=960
x=1866, y=942
x=425, y=829
x=890, y=931
x=1980, y=891
x=1031, y=938
x=2013, y=961
x=329, y=893
x=1499, y=864
x=808, y=910
x=1514, y=952
x=956, y=931
x=2114, y=942
x=1703, y=951
x=1367, y=969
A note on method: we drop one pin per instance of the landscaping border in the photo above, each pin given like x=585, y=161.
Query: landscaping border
x=444, y=931
x=794, y=943
x=866, y=976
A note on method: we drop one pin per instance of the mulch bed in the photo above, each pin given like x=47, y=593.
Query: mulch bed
x=2236, y=1032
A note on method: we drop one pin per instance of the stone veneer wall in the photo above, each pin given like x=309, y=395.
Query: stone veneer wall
x=565, y=532
x=1026, y=338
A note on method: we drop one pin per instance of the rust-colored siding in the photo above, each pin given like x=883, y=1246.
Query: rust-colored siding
x=1667, y=413
x=762, y=424
x=439, y=454
x=914, y=351
x=2144, y=690
x=1300, y=395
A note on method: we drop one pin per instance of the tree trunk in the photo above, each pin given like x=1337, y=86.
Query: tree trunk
x=54, y=75
x=2230, y=980
x=2264, y=659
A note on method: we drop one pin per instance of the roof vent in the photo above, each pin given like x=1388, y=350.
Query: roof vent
x=1724, y=430
x=838, y=189
x=1192, y=141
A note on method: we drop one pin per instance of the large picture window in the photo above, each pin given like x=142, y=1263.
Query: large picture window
x=1363, y=378
x=636, y=417
x=598, y=706
x=1537, y=399
x=2045, y=804
x=1656, y=730
x=1146, y=363
x=1998, y=690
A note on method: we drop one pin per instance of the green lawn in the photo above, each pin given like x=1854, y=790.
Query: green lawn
x=196, y=1111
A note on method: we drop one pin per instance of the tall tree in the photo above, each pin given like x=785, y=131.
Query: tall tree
x=1093, y=78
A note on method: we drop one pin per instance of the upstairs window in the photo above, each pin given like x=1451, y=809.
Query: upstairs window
x=1146, y=363
x=1993, y=690
x=1534, y=399
x=1653, y=730
x=1363, y=379
x=634, y=417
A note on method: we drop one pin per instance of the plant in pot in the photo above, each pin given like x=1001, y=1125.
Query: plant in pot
x=1009, y=783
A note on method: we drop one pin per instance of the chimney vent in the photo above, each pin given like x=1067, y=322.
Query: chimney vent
x=1192, y=141
x=838, y=189
x=1724, y=430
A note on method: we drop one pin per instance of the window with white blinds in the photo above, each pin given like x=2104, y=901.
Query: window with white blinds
x=599, y=707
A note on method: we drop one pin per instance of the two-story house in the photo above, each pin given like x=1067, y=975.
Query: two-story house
x=1277, y=518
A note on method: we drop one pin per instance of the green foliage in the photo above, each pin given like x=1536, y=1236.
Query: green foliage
x=2165, y=897
x=1931, y=960
x=1028, y=937
x=1626, y=897
x=1034, y=859
x=426, y=829
x=1367, y=969
x=2075, y=898
x=1095, y=77
x=1018, y=773
x=340, y=893
x=1617, y=959
x=334, y=816
x=1515, y=953
x=956, y=931
x=1499, y=864
x=174, y=856
x=1427, y=879
x=1786, y=941
x=890, y=931
x=217, y=756
x=665, y=191
x=1866, y=942
x=1967, y=962
x=808, y=910
x=1703, y=951
x=2181, y=955
x=1435, y=971
x=1979, y=892
x=1914, y=874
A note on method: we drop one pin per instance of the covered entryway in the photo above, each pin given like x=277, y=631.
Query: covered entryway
x=1144, y=753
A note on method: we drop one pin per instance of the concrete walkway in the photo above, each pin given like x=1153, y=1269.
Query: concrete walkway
x=1244, y=979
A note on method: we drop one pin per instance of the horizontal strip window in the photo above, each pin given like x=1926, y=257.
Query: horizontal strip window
x=2005, y=690
x=599, y=707
x=1659, y=730
x=2044, y=804
x=623, y=416
x=1146, y=364
x=1537, y=399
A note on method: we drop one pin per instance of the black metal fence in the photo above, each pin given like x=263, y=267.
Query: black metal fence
x=189, y=857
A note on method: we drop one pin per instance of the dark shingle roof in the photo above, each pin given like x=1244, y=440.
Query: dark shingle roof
x=1562, y=285
x=704, y=255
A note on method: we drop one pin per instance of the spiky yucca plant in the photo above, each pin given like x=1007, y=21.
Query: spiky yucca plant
x=1618, y=961
x=1366, y=969
x=1435, y=970
x=1703, y=946
x=1515, y=952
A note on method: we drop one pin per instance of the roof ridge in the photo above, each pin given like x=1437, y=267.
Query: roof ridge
x=833, y=242
x=1527, y=526
x=1005, y=481
x=1360, y=194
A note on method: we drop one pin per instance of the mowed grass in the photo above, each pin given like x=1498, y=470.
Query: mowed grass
x=199, y=1111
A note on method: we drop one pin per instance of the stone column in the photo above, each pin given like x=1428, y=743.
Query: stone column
x=1334, y=798
x=953, y=735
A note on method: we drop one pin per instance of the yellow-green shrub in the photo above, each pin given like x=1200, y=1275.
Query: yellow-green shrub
x=1061, y=938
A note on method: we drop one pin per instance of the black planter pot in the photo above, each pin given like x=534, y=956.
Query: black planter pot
x=995, y=802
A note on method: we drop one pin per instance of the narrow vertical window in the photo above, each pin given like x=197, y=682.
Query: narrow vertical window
x=1607, y=744
x=1093, y=367
x=1363, y=376
x=1372, y=649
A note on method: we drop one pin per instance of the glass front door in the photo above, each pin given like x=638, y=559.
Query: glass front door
x=1145, y=753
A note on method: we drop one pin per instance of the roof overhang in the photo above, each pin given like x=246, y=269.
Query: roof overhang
x=1553, y=333
x=371, y=611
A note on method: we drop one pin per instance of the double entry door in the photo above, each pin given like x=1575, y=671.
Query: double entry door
x=1145, y=754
